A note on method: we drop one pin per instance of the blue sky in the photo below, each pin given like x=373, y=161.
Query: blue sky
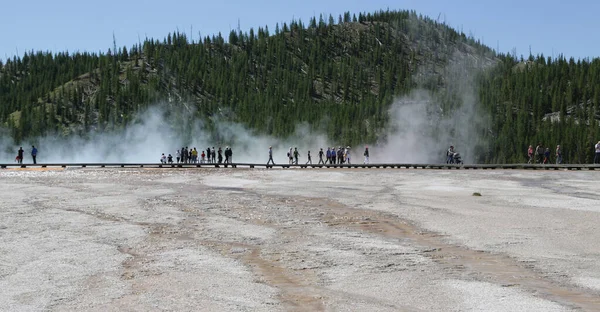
x=548, y=27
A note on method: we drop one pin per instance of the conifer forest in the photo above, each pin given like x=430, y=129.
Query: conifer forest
x=339, y=75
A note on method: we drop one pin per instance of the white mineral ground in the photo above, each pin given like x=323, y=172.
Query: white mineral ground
x=306, y=240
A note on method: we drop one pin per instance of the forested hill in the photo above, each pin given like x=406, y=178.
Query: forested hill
x=339, y=75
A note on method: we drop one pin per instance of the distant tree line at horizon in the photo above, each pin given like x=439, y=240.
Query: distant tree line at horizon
x=339, y=76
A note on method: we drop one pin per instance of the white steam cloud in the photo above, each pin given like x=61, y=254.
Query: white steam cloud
x=153, y=134
x=420, y=130
x=420, y=133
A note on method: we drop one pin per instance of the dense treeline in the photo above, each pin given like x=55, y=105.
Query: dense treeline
x=337, y=75
x=542, y=100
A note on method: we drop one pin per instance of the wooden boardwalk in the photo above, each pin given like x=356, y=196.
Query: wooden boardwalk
x=309, y=166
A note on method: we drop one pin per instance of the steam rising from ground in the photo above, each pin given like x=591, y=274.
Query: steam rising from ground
x=411, y=138
x=420, y=131
x=152, y=134
x=422, y=128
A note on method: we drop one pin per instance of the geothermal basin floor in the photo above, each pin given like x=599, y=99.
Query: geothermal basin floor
x=299, y=240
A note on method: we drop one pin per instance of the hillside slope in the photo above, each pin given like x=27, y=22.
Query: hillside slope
x=337, y=76
x=298, y=73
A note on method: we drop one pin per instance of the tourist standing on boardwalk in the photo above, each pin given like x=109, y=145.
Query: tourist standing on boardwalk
x=347, y=155
x=366, y=154
x=333, y=156
x=20, y=155
x=597, y=156
x=539, y=153
x=559, y=159
x=450, y=155
x=34, y=154
x=296, y=155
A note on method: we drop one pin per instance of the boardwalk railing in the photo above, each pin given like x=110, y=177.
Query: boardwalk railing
x=302, y=166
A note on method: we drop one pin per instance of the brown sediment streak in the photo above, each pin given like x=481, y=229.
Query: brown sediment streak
x=460, y=260
x=297, y=292
x=299, y=288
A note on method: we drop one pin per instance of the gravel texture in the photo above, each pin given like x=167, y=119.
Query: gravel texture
x=299, y=240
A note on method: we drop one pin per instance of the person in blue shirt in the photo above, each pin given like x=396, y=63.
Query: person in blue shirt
x=34, y=154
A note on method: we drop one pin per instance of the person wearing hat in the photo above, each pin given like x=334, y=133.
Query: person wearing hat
x=270, y=156
x=366, y=154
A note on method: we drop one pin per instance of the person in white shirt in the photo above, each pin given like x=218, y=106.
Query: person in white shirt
x=347, y=154
x=558, y=155
x=597, y=156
